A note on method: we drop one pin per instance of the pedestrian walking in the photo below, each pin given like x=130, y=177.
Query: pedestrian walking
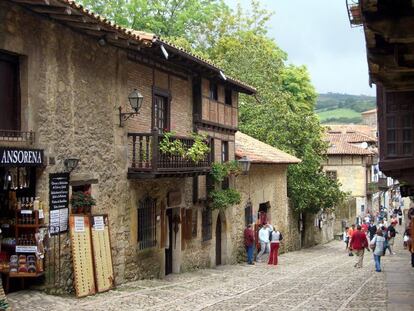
x=377, y=245
x=264, y=242
x=350, y=232
x=249, y=243
x=372, y=229
x=276, y=237
x=390, y=236
x=345, y=238
x=358, y=243
x=399, y=215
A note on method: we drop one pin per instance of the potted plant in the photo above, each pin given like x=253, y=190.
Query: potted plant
x=82, y=202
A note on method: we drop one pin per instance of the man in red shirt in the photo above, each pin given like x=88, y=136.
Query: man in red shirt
x=249, y=243
x=358, y=244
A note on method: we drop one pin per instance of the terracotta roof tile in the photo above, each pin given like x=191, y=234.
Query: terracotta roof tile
x=343, y=144
x=352, y=128
x=139, y=37
x=259, y=152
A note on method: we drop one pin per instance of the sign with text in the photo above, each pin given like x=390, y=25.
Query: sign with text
x=59, y=202
x=20, y=157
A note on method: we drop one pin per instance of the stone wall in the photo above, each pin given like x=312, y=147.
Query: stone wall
x=318, y=228
x=71, y=89
x=265, y=183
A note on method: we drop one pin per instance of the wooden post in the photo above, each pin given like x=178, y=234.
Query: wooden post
x=154, y=148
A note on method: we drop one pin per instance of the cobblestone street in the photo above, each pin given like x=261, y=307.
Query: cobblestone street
x=320, y=278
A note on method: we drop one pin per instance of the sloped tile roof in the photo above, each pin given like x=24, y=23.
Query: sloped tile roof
x=352, y=128
x=76, y=16
x=344, y=143
x=351, y=137
x=259, y=152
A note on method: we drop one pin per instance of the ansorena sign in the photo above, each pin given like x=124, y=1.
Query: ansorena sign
x=22, y=157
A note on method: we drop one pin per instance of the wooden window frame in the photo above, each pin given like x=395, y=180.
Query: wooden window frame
x=213, y=91
x=167, y=95
x=395, y=111
x=225, y=184
x=207, y=224
x=15, y=61
x=228, y=96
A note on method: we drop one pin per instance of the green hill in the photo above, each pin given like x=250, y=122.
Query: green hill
x=343, y=108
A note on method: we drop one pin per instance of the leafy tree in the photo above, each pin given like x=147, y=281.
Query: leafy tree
x=281, y=114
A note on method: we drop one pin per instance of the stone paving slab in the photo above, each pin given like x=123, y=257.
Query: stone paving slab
x=320, y=278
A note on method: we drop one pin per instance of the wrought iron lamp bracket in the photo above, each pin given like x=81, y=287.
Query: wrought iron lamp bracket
x=123, y=116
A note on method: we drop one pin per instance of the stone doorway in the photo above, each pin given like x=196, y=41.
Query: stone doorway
x=218, y=240
x=169, y=243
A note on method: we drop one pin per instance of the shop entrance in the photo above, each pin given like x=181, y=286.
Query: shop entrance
x=169, y=249
x=22, y=227
x=218, y=241
x=264, y=213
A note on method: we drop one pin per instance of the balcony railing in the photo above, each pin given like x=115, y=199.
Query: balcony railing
x=147, y=160
x=17, y=136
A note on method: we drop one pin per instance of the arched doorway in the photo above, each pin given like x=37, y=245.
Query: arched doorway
x=218, y=240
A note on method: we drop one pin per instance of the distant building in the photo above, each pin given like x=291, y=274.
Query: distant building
x=369, y=118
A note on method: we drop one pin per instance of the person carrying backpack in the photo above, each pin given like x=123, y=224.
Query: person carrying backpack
x=390, y=236
x=276, y=237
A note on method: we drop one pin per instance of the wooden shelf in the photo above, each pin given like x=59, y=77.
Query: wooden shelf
x=25, y=274
x=28, y=225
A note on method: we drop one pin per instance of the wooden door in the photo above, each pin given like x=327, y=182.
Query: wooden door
x=218, y=241
x=9, y=93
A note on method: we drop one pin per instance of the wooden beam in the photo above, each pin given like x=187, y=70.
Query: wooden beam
x=35, y=2
x=370, y=5
x=88, y=26
x=69, y=18
x=55, y=10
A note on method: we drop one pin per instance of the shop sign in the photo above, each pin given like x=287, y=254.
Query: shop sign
x=20, y=157
x=59, y=202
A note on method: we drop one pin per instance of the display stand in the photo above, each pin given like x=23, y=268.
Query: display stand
x=102, y=257
x=80, y=235
x=27, y=265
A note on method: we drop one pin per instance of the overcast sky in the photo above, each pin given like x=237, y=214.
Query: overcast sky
x=318, y=34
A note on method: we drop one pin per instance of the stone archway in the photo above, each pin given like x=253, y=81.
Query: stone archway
x=221, y=239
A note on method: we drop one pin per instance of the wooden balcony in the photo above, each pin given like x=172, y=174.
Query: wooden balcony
x=372, y=187
x=147, y=161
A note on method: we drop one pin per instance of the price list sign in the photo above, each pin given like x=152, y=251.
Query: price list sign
x=59, y=202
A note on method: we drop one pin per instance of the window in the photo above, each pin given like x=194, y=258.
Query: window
x=146, y=223
x=9, y=92
x=399, y=118
x=224, y=158
x=213, y=91
x=161, y=113
x=228, y=99
x=207, y=223
x=331, y=175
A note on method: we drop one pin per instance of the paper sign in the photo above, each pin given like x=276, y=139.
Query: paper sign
x=98, y=223
x=79, y=224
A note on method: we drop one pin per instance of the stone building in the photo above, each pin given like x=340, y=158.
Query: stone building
x=264, y=193
x=370, y=118
x=67, y=72
x=351, y=160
